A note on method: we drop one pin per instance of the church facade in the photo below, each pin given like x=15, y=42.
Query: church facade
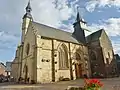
x=48, y=54
x=101, y=55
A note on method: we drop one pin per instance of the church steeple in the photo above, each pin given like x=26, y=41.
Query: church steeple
x=79, y=19
x=28, y=8
x=79, y=33
x=28, y=11
x=27, y=18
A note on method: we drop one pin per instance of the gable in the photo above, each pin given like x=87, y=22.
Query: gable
x=29, y=42
x=105, y=41
x=94, y=36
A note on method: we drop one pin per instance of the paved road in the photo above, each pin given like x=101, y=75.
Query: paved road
x=109, y=84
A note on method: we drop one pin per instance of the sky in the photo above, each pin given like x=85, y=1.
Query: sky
x=59, y=14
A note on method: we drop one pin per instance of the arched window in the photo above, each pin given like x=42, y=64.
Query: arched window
x=63, y=57
x=77, y=56
x=108, y=55
x=93, y=56
x=27, y=48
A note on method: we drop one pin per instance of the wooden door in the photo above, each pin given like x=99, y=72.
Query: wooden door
x=78, y=70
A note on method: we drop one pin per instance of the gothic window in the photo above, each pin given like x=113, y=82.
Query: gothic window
x=77, y=56
x=93, y=56
x=63, y=57
x=107, y=60
x=108, y=55
x=27, y=48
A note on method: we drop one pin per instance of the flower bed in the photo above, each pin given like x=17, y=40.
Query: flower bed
x=90, y=84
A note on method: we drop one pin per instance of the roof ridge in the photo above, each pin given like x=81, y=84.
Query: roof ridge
x=97, y=32
x=95, y=35
x=54, y=33
x=51, y=27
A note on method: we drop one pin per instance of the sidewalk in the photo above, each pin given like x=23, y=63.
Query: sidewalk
x=109, y=84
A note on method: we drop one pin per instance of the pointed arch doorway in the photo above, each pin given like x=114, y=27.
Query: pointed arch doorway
x=78, y=66
x=78, y=70
x=26, y=72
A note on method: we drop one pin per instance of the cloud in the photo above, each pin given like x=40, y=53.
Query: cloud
x=92, y=4
x=7, y=40
x=8, y=43
x=112, y=26
x=53, y=12
x=116, y=46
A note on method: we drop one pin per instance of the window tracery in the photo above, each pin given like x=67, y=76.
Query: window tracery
x=63, y=57
x=93, y=56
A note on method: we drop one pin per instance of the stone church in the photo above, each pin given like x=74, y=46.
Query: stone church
x=101, y=54
x=47, y=54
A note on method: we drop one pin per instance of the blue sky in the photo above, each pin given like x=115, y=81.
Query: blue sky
x=59, y=14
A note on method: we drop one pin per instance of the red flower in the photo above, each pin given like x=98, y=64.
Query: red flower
x=89, y=83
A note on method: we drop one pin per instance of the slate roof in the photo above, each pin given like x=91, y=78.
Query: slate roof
x=27, y=15
x=2, y=65
x=8, y=66
x=94, y=36
x=117, y=57
x=53, y=33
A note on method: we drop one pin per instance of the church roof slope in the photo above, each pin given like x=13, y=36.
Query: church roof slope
x=94, y=36
x=2, y=65
x=117, y=57
x=53, y=33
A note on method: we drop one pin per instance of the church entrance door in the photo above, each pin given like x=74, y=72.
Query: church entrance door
x=78, y=70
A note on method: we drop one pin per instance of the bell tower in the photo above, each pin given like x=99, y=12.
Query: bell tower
x=79, y=33
x=26, y=20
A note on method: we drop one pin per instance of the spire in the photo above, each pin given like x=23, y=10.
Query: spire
x=28, y=8
x=78, y=15
x=79, y=19
x=79, y=33
x=28, y=11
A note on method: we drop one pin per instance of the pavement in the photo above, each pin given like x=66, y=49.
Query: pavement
x=109, y=84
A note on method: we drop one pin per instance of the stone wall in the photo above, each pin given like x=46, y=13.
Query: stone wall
x=28, y=58
x=16, y=64
x=42, y=59
x=44, y=70
x=104, y=54
x=45, y=57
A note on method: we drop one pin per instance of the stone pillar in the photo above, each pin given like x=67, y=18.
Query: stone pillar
x=70, y=59
x=53, y=62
